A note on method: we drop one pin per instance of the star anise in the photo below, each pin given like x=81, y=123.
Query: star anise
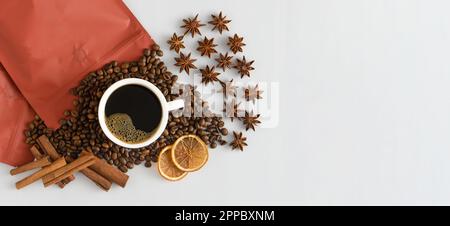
x=239, y=141
x=236, y=43
x=250, y=121
x=244, y=67
x=176, y=43
x=192, y=25
x=207, y=47
x=228, y=89
x=220, y=22
x=232, y=110
x=209, y=75
x=252, y=93
x=185, y=62
x=224, y=61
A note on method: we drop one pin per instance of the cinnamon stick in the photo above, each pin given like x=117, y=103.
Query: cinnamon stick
x=109, y=172
x=99, y=180
x=50, y=150
x=61, y=162
x=38, y=155
x=32, y=165
x=57, y=173
x=47, y=147
x=69, y=171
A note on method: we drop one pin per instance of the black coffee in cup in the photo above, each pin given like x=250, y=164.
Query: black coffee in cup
x=132, y=113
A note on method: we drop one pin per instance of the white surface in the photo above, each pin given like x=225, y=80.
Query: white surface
x=364, y=109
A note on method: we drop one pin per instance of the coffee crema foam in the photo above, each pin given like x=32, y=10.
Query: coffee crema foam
x=121, y=125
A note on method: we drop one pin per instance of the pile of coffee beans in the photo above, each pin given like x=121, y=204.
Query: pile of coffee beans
x=80, y=129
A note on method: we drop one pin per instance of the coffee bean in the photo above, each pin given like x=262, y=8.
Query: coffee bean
x=130, y=165
x=123, y=169
x=91, y=116
x=147, y=52
x=125, y=66
x=134, y=69
x=202, y=122
x=105, y=145
x=224, y=131
x=145, y=152
x=122, y=160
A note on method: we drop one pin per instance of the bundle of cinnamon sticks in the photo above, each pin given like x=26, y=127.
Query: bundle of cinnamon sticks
x=54, y=169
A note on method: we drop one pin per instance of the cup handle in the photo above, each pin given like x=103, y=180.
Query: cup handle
x=175, y=105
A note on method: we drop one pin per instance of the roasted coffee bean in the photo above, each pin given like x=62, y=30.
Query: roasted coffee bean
x=224, y=131
x=134, y=69
x=147, y=52
x=145, y=152
x=123, y=160
x=91, y=116
x=123, y=169
x=114, y=156
x=130, y=165
x=202, y=122
x=156, y=47
x=125, y=66
x=29, y=140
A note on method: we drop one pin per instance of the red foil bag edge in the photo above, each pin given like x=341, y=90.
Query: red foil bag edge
x=15, y=113
x=47, y=47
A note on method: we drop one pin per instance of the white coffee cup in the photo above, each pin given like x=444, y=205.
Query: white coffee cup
x=165, y=106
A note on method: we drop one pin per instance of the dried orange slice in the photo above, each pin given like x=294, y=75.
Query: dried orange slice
x=166, y=167
x=189, y=153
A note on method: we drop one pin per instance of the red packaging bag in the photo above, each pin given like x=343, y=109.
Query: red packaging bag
x=48, y=46
x=15, y=113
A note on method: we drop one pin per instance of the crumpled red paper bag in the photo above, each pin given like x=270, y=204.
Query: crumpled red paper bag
x=48, y=46
x=15, y=113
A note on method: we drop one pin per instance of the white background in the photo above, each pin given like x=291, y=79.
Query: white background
x=364, y=109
